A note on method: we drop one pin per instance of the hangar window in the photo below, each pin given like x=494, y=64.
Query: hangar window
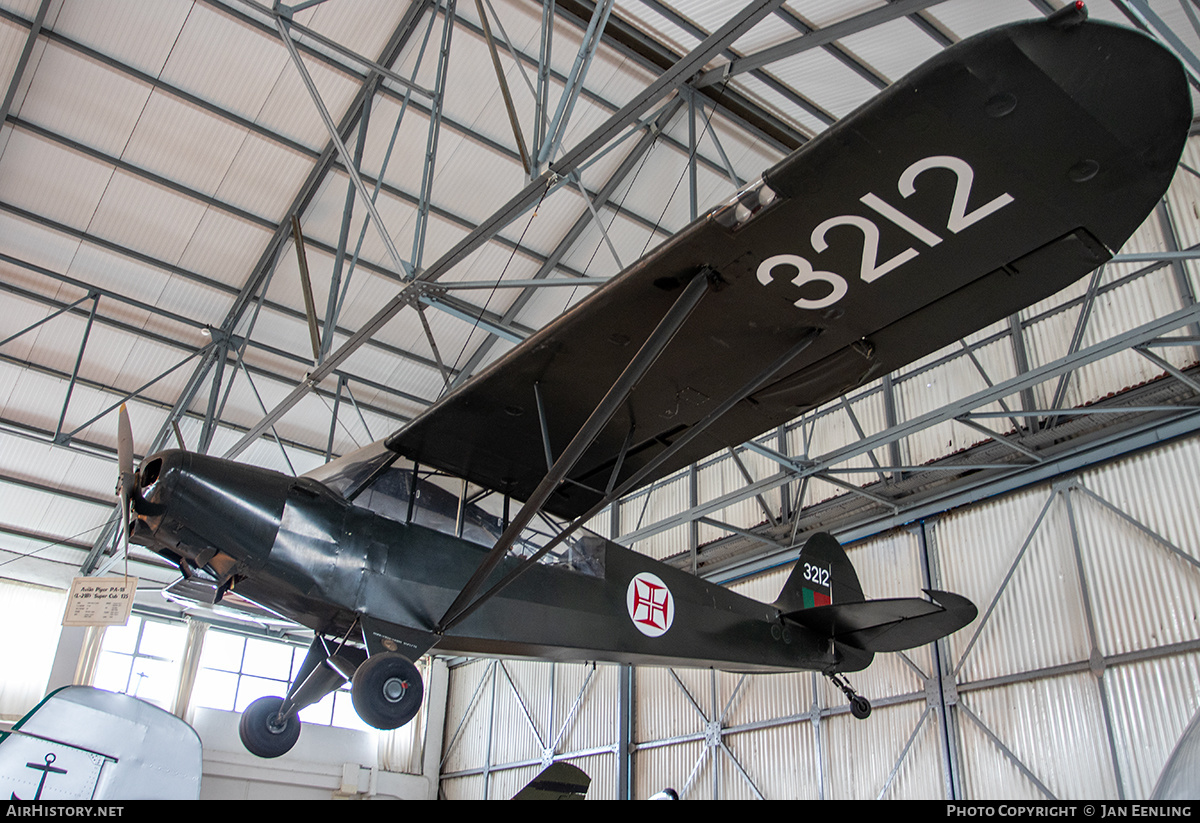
x=141, y=659
x=236, y=670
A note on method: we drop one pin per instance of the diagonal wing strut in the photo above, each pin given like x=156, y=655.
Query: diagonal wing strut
x=671, y=322
x=459, y=611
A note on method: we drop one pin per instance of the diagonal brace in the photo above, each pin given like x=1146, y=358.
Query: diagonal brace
x=646, y=356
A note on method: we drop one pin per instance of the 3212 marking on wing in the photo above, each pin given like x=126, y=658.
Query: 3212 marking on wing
x=870, y=268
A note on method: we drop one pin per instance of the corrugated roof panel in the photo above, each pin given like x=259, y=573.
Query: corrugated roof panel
x=35, y=244
x=398, y=215
x=827, y=81
x=661, y=500
x=823, y=13
x=544, y=231
x=363, y=26
x=12, y=43
x=145, y=217
x=716, y=480
x=224, y=247
x=931, y=388
x=136, y=33
x=51, y=182
x=402, y=172
x=802, y=118
x=289, y=108
x=84, y=100
x=225, y=62
x=894, y=48
x=966, y=17
x=1133, y=304
x=646, y=18
x=54, y=345
x=772, y=30
x=464, y=166
x=473, y=96
x=590, y=254
x=367, y=293
x=322, y=219
x=263, y=177
x=20, y=315
x=183, y=143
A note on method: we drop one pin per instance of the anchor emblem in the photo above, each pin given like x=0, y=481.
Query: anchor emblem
x=45, y=770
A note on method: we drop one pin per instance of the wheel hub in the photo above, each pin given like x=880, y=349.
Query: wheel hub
x=394, y=689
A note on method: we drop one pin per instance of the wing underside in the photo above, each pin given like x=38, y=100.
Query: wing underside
x=992, y=177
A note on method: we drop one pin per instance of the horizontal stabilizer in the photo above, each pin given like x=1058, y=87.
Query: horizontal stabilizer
x=889, y=625
x=558, y=781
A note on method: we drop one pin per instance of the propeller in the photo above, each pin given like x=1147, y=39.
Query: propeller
x=126, y=483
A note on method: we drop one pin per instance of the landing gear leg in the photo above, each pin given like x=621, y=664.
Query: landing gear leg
x=270, y=726
x=860, y=707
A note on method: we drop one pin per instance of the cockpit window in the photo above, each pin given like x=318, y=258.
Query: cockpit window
x=374, y=479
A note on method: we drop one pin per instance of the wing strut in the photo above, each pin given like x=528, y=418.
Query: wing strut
x=457, y=613
x=654, y=346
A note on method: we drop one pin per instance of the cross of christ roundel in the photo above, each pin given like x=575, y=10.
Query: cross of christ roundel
x=651, y=606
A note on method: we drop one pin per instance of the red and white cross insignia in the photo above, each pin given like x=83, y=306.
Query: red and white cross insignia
x=651, y=606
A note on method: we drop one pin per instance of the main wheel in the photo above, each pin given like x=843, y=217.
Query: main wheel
x=264, y=732
x=387, y=690
x=860, y=707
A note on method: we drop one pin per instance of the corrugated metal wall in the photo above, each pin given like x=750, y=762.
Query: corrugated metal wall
x=505, y=719
x=1075, y=681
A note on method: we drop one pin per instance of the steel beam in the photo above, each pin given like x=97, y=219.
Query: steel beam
x=521, y=202
x=1142, y=334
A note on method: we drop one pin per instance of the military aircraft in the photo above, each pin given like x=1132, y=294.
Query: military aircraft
x=993, y=176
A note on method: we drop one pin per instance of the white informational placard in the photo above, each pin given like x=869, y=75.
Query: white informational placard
x=100, y=601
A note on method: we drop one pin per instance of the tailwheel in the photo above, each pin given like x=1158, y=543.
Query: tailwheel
x=860, y=707
x=265, y=731
x=387, y=690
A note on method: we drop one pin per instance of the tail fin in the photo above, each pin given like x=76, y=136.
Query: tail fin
x=823, y=575
x=823, y=594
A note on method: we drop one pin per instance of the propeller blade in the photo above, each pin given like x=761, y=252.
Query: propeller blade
x=125, y=453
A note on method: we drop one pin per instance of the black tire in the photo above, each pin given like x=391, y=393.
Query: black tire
x=387, y=690
x=262, y=731
x=860, y=707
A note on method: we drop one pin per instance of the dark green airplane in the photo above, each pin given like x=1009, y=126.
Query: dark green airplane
x=990, y=178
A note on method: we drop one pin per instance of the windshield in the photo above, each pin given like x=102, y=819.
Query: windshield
x=377, y=479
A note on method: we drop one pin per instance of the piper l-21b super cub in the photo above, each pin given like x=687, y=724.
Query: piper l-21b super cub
x=993, y=176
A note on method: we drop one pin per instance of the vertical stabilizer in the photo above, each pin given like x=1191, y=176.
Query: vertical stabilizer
x=823, y=576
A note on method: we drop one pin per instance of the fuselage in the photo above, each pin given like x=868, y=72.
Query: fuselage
x=300, y=549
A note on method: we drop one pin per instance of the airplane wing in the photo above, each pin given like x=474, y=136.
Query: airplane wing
x=993, y=176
